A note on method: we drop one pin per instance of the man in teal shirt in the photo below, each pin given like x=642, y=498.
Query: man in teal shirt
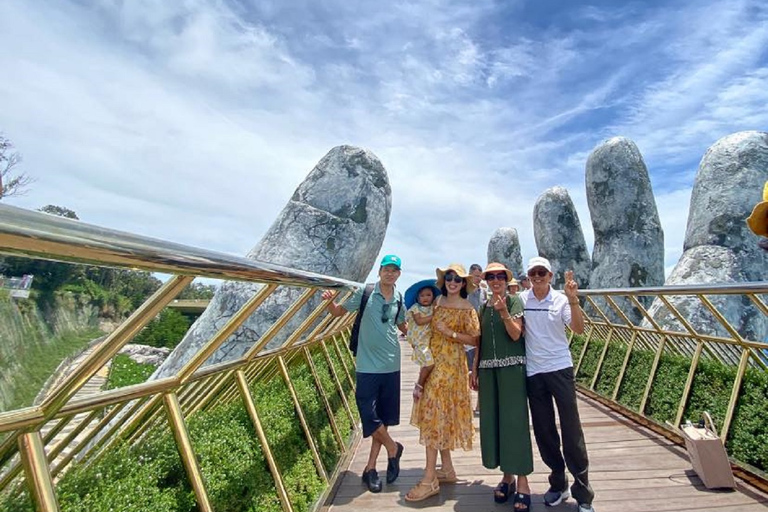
x=377, y=390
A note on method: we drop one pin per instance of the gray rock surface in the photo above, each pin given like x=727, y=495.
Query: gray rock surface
x=629, y=241
x=559, y=237
x=719, y=247
x=504, y=248
x=144, y=354
x=334, y=224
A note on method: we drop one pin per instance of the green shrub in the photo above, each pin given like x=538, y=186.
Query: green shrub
x=125, y=372
x=165, y=330
x=286, y=439
x=748, y=437
x=315, y=414
x=609, y=371
x=667, y=388
x=635, y=379
x=589, y=362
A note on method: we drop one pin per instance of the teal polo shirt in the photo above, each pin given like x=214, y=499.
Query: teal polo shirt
x=378, y=350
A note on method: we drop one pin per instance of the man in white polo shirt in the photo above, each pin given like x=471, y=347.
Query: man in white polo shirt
x=550, y=378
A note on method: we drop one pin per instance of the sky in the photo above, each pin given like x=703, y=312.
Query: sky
x=194, y=121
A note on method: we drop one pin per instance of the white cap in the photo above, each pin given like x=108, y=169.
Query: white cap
x=538, y=261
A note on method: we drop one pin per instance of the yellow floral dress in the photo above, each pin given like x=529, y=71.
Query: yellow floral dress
x=444, y=412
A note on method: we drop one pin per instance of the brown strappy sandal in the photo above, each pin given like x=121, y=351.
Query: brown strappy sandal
x=423, y=490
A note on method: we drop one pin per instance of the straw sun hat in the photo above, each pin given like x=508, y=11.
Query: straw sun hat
x=460, y=271
x=498, y=267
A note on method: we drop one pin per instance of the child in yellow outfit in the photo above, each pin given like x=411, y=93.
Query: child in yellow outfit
x=419, y=317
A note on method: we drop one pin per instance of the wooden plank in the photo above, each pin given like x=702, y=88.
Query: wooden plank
x=631, y=470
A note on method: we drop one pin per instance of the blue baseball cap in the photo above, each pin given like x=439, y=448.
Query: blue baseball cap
x=391, y=259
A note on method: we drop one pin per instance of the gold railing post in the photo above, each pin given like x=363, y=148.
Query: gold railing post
x=302, y=419
x=250, y=406
x=39, y=479
x=688, y=383
x=652, y=374
x=181, y=434
x=336, y=380
x=734, y=394
x=620, y=376
x=583, y=351
x=323, y=396
x=350, y=378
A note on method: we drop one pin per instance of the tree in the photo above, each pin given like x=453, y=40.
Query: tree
x=60, y=211
x=10, y=184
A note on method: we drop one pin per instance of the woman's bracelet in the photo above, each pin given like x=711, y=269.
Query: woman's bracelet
x=573, y=303
x=418, y=386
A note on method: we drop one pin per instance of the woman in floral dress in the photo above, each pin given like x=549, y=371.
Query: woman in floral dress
x=444, y=412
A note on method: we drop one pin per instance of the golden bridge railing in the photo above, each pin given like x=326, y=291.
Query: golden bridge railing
x=624, y=332
x=30, y=438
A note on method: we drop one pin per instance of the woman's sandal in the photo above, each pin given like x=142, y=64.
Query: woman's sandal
x=446, y=477
x=423, y=490
x=524, y=499
x=501, y=492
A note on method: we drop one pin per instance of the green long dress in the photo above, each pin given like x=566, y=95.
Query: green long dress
x=505, y=438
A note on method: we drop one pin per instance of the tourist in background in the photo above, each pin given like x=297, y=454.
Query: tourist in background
x=499, y=376
x=444, y=413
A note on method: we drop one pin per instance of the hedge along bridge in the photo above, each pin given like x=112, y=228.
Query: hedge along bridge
x=649, y=375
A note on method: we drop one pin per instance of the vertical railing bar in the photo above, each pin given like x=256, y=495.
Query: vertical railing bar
x=624, y=365
x=734, y=395
x=250, y=406
x=38, y=475
x=600, y=361
x=583, y=351
x=350, y=379
x=336, y=380
x=688, y=383
x=652, y=374
x=303, y=420
x=324, y=397
x=187, y=453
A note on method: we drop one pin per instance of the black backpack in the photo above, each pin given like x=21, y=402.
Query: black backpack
x=355, y=335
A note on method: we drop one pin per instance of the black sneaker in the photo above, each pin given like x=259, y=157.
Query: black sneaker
x=393, y=465
x=372, y=480
x=552, y=498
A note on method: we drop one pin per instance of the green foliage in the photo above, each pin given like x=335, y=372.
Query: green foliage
x=667, y=388
x=150, y=476
x=126, y=372
x=233, y=465
x=710, y=391
x=165, y=330
x=289, y=446
x=589, y=362
x=40, y=361
x=197, y=291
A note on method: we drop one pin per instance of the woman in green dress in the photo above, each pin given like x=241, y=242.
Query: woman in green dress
x=499, y=377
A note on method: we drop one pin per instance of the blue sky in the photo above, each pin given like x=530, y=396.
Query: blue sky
x=195, y=121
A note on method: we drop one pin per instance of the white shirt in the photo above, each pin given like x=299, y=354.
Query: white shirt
x=546, y=346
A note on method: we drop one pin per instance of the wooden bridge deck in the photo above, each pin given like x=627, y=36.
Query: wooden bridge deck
x=631, y=469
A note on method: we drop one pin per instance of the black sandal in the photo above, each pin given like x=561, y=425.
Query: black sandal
x=501, y=492
x=524, y=499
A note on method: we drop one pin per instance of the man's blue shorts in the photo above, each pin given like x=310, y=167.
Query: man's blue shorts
x=378, y=400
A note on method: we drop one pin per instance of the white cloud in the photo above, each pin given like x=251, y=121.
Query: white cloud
x=195, y=121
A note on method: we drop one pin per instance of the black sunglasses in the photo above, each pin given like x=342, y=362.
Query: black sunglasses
x=500, y=276
x=453, y=277
x=542, y=272
x=384, y=313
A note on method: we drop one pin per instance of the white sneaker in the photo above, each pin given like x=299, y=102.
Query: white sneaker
x=553, y=498
x=586, y=507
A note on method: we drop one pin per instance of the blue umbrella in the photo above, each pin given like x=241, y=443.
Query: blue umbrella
x=412, y=293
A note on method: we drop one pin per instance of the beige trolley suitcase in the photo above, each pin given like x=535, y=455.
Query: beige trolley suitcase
x=707, y=454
